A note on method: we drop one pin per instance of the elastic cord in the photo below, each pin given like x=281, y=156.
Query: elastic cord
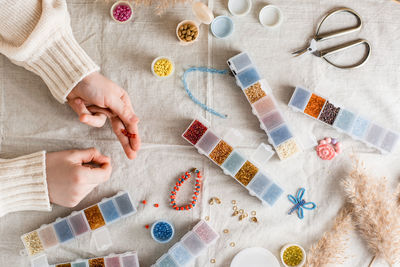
x=194, y=99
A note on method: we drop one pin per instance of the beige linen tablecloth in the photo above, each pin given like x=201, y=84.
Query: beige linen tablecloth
x=32, y=120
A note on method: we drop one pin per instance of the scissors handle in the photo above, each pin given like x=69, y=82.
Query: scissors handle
x=337, y=33
x=341, y=47
x=335, y=49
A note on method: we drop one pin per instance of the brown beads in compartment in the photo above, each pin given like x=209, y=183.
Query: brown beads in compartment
x=94, y=217
x=255, y=92
x=246, y=173
x=221, y=152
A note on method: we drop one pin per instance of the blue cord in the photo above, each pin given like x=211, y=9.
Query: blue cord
x=194, y=99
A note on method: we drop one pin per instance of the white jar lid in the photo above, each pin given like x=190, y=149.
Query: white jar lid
x=239, y=7
x=270, y=16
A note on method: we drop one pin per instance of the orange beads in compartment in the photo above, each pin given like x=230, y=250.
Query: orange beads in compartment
x=314, y=106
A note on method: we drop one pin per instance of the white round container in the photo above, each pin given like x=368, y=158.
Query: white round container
x=154, y=62
x=296, y=245
x=117, y=4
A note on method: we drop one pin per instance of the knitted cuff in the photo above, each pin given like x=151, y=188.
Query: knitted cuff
x=62, y=65
x=23, y=184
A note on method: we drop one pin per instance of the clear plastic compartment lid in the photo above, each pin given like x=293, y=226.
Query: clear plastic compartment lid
x=102, y=239
x=40, y=261
x=262, y=154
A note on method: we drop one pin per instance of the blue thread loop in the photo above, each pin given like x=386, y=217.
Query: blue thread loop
x=300, y=203
x=194, y=99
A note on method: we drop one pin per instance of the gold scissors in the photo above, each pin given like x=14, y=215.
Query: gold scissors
x=312, y=47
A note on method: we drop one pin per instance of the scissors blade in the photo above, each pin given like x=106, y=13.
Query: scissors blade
x=312, y=47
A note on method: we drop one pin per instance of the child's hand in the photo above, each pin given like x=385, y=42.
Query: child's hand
x=69, y=176
x=95, y=98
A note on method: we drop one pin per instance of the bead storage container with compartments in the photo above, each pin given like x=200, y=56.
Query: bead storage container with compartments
x=264, y=106
x=93, y=219
x=344, y=120
x=191, y=245
x=128, y=259
x=246, y=172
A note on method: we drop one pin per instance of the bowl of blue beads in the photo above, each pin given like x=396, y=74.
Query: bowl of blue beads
x=162, y=231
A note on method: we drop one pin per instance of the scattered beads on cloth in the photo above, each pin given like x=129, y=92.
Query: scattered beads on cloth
x=221, y=152
x=293, y=256
x=329, y=113
x=162, y=231
x=163, y=67
x=122, y=12
x=328, y=148
x=33, y=243
x=314, y=106
x=287, y=149
x=255, y=92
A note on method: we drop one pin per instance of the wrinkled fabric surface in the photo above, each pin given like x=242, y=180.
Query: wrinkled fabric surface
x=32, y=120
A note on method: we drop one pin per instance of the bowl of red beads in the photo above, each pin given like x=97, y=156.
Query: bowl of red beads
x=121, y=12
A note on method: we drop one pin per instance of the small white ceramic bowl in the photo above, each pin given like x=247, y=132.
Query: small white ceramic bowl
x=117, y=4
x=187, y=22
x=270, y=16
x=296, y=245
x=154, y=62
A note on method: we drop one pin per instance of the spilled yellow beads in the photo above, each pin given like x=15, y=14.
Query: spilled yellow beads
x=163, y=67
x=293, y=256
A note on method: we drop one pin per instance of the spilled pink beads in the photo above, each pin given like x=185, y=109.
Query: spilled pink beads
x=328, y=148
x=122, y=12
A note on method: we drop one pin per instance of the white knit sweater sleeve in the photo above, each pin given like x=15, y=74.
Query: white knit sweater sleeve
x=23, y=184
x=36, y=34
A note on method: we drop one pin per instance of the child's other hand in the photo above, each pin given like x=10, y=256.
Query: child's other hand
x=95, y=98
x=72, y=174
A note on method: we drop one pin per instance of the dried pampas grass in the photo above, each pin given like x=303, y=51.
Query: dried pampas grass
x=375, y=213
x=330, y=249
x=159, y=5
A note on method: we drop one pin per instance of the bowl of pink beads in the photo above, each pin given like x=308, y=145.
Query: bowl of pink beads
x=121, y=12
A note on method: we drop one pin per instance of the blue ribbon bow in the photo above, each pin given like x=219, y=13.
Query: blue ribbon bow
x=300, y=203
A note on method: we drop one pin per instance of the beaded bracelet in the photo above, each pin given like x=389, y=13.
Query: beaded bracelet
x=177, y=186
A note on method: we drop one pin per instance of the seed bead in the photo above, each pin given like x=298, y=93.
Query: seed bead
x=232, y=244
x=212, y=260
x=233, y=202
x=254, y=213
x=207, y=218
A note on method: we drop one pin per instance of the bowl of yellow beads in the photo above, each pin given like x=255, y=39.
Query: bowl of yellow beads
x=162, y=67
x=293, y=255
